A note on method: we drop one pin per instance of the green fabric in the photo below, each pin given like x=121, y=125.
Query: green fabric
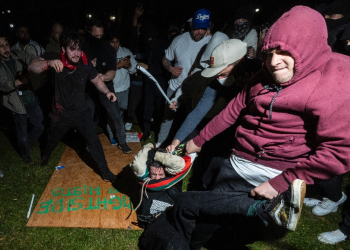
x=27, y=97
x=252, y=211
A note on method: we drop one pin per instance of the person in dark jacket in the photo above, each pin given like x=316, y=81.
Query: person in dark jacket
x=154, y=101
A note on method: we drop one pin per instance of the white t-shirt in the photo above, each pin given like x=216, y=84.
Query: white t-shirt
x=121, y=81
x=252, y=172
x=184, y=50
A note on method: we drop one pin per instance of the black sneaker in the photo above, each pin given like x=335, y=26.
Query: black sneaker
x=108, y=176
x=27, y=160
x=125, y=148
x=44, y=160
x=285, y=209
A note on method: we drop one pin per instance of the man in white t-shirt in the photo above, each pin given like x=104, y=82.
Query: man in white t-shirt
x=184, y=50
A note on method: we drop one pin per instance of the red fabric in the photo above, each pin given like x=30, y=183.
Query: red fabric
x=70, y=66
x=308, y=136
x=166, y=181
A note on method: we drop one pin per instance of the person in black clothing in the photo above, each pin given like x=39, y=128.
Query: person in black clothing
x=104, y=59
x=154, y=101
x=69, y=106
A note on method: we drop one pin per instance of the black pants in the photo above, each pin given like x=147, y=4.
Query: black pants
x=113, y=111
x=154, y=104
x=35, y=116
x=198, y=214
x=135, y=96
x=85, y=126
x=345, y=225
x=330, y=188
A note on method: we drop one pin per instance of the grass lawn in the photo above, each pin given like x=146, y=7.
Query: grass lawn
x=21, y=181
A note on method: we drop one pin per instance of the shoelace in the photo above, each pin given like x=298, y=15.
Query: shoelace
x=143, y=189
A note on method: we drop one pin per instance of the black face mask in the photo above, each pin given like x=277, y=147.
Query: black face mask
x=240, y=30
x=23, y=41
x=96, y=42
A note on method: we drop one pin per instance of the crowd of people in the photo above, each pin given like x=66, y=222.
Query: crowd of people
x=263, y=107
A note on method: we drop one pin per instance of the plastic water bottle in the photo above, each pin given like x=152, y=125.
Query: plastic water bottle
x=1, y=174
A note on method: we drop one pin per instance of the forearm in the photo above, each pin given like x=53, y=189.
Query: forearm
x=100, y=85
x=109, y=76
x=196, y=116
x=38, y=65
x=166, y=64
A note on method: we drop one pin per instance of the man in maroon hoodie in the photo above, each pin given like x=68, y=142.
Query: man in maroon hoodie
x=294, y=130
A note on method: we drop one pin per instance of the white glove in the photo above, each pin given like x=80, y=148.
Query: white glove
x=139, y=165
x=173, y=163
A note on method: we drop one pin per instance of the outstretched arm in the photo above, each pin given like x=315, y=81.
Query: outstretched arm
x=39, y=65
x=101, y=86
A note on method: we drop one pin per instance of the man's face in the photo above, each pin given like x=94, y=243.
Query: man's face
x=4, y=49
x=56, y=32
x=23, y=33
x=73, y=53
x=280, y=64
x=197, y=34
x=115, y=43
x=97, y=32
x=226, y=71
x=156, y=173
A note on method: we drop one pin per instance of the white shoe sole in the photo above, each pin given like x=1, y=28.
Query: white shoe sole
x=298, y=190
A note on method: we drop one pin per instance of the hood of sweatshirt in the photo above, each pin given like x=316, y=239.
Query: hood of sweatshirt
x=302, y=32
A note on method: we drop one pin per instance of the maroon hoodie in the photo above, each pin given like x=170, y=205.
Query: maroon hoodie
x=308, y=135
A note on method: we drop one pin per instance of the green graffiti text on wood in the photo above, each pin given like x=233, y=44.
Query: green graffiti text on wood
x=78, y=202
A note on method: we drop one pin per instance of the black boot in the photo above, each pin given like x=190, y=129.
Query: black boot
x=107, y=175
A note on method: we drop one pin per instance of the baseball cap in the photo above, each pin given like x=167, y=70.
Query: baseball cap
x=201, y=19
x=225, y=54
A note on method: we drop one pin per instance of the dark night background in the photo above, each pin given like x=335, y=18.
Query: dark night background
x=40, y=14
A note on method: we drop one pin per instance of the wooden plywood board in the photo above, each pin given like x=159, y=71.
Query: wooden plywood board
x=76, y=196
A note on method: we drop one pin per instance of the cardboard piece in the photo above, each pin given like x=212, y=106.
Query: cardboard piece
x=76, y=196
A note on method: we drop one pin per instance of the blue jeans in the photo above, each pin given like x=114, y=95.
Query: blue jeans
x=35, y=117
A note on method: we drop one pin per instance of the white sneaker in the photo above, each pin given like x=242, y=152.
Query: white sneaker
x=128, y=126
x=327, y=206
x=333, y=237
x=310, y=202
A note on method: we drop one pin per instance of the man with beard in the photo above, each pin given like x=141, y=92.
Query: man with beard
x=69, y=106
x=26, y=44
x=103, y=57
x=18, y=98
x=54, y=40
x=184, y=50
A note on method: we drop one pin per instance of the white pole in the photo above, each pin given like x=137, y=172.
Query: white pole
x=30, y=207
x=143, y=70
